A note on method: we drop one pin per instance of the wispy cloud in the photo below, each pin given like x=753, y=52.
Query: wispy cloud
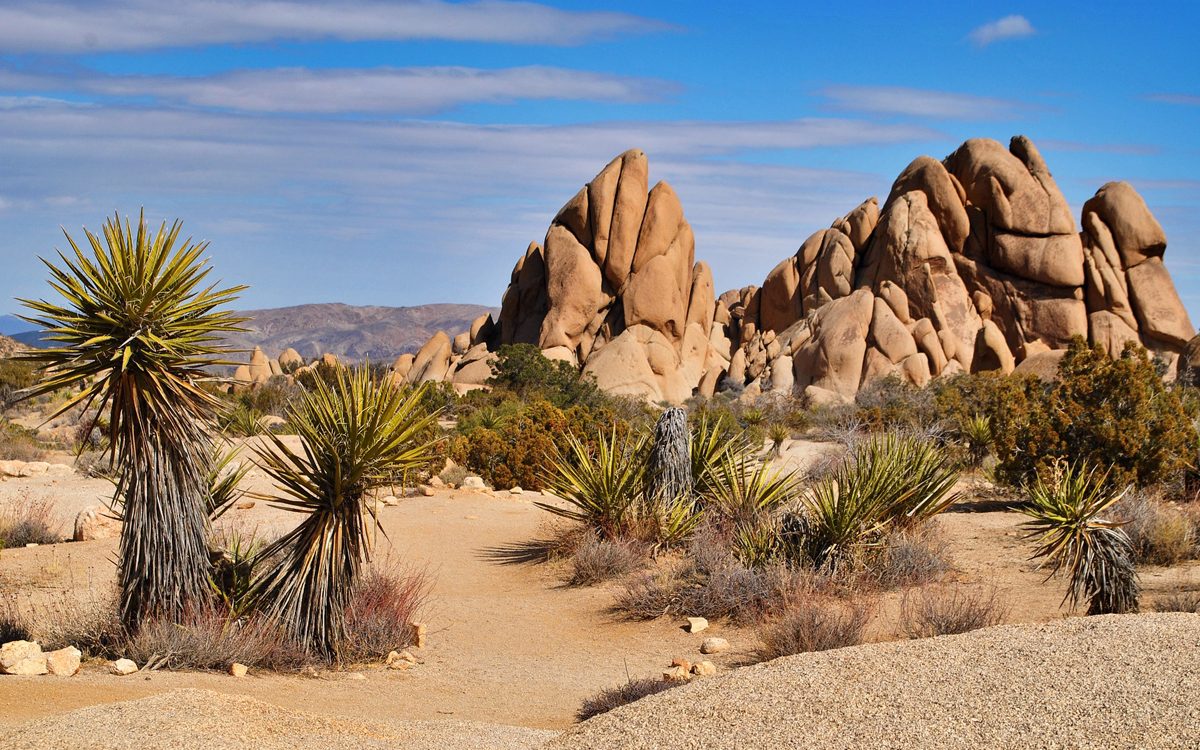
x=66, y=26
x=428, y=195
x=1085, y=147
x=1190, y=100
x=900, y=100
x=1009, y=27
x=380, y=90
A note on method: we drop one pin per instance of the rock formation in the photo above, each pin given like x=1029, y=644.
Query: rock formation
x=972, y=263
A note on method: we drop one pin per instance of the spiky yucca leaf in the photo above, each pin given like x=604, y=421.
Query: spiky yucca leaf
x=605, y=490
x=138, y=323
x=742, y=487
x=887, y=481
x=976, y=432
x=355, y=436
x=1065, y=511
x=224, y=479
x=710, y=442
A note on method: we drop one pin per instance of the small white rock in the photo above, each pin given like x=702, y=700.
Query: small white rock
x=704, y=669
x=15, y=652
x=696, y=624
x=123, y=667
x=714, y=645
x=516, y=491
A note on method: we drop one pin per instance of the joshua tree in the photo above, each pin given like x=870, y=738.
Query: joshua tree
x=136, y=329
x=1065, y=511
x=356, y=435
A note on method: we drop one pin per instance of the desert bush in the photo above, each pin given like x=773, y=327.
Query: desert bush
x=1160, y=533
x=385, y=603
x=892, y=481
x=607, y=700
x=18, y=443
x=815, y=624
x=908, y=557
x=523, y=370
x=88, y=621
x=890, y=403
x=518, y=451
x=15, y=376
x=29, y=520
x=1065, y=509
x=596, y=560
x=12, y=623
x=949, y=610
x=1107, y=412
x=211, y=640
x=1184, y=601
x=453, y=475
x=976, y=434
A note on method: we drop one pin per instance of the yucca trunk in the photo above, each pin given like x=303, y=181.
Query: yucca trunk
x=670, y=477
x=164, y=562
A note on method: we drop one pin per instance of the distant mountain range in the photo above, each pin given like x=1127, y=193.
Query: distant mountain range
x=351, y=332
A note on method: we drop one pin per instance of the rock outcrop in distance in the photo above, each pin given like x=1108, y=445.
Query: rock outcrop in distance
x=972, y=263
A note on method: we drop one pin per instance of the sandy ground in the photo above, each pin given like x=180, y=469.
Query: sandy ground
x=509, y=644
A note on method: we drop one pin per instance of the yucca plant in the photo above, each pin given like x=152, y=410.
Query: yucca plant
x=138, y=325
x=711, y=440
x=355, y=435
x=888, y=481
x=778, y=433
x=976, y=432
x=1066, y=519
x=742, y=488
x=605, y=490
x=224, y=480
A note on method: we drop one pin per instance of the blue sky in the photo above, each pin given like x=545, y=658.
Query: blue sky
x=402, y=153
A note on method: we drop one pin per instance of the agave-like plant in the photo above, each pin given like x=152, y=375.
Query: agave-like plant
x=605, y=490
x=356, y=435
x=1066, y=519
x=138, y=327
x=976, y=432
x=741, y=487
x=711, y=441
x=887, y=481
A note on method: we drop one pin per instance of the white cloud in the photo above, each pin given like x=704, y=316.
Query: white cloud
x=1009, y=27
x=900, y=100
x=1187, y=100
x=66, y=26
x=413, y=211
x=377, y=90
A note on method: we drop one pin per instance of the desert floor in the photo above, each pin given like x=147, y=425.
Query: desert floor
x=509, y=643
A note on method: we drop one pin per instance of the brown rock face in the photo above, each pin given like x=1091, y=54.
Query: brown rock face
x=973, y=263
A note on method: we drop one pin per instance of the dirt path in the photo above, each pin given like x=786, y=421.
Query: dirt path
x=508, y=644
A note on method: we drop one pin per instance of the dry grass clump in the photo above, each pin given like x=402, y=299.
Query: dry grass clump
x=910, y=558
x=385, y=603
x=816, y=624
x=607, y=700
x=19, y=444
x=1161, y=533
x=1183, y=601
x=597, y=560
x=949, y=610
x=29, y=520
x=211, y=640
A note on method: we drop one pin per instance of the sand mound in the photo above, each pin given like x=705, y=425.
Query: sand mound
x=1098, y=682
x=215, y=721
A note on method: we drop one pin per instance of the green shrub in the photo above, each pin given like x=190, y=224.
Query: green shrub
x=523, y=370
x=15, y=375
x=1108, y=412
x=18, y=443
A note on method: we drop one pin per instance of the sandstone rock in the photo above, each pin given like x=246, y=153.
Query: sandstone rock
x=783, y=376
x=123, y=667
x=482, y=329
x=714, y=645
x=916, y=370
x=1042, y=365
x=710, y=380
x=11, y=468
x=472, y=482
x=420, y=632
x=653, y=298
x=889, y=334
x=991, y=350
x=95, y=522
x=64, y=662
x=676, y=674
x=461, y=343
x=290, y=360
x=476, y=372
x=696, y=624
x=1160, y=313
x=859, y=223
x=640, y=363
x=330, y=361
x=781, y=303
x=942, y=196
x=15, y=653
x=832, y=359
x=573, y=282
x=426, y=490
x=34, y=469
x=704, y=669
x=260, y=366
x=238, y=670
x=1135, y=233
x=1012, y=186
x=1111, y=332
x=816, y=396
x=432, y=361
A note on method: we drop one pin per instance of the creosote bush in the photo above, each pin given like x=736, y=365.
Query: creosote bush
x=29, y=520
x=597, y=560
x=950, y=610
x=1160, y=533
x=815, y=624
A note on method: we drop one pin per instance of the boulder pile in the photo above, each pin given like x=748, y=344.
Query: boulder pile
x=972, y=263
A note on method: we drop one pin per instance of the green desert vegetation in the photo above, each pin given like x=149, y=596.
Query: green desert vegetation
x=134, y=333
